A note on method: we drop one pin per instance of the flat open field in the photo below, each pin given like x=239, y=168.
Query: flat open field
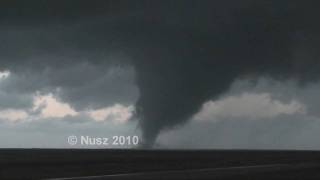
x=55, y=163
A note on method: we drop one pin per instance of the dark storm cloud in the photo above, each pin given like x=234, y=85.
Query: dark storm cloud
x=82, y=85
x=298, y=130
x=184, y=52
x=15, y=101
x=199, y=61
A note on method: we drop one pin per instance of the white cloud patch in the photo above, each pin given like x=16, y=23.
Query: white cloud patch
x=117, y=113
x=50, y=107
x=248, y=106
x=13, y=115
x=4, y=74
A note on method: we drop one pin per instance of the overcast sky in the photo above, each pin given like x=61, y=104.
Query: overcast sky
x=178, y=74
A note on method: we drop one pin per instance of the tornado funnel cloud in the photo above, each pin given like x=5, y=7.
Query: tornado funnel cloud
x=182, y=65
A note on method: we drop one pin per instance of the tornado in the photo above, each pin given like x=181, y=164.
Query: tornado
x=184, y=52
x=182, y=65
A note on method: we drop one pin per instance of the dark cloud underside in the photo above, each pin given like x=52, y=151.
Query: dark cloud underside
x=183, y=52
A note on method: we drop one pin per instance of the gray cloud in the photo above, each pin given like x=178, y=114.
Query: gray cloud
x=284, y=91
x=14, y=100
x=83, y=85
x=284, y=131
